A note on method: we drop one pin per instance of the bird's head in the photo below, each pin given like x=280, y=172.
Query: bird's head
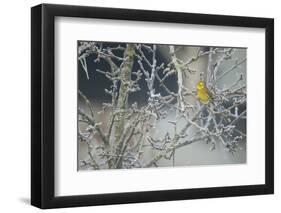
x=200, y=85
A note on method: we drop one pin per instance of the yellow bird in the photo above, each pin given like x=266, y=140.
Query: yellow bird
x=203, y=93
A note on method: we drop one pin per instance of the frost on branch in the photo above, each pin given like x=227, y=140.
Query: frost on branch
x=138, y=105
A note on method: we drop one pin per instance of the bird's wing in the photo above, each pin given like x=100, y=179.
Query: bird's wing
x=209, y=93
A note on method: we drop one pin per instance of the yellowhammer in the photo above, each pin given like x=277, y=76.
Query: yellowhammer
x=203, y=93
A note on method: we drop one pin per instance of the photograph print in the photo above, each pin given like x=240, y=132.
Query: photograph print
x=143, y=105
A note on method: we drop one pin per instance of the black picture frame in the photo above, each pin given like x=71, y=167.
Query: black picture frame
x=43, y=102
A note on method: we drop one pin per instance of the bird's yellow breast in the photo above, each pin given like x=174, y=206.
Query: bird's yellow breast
x=203, y=96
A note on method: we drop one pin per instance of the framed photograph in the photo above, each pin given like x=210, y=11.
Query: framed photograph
x=139, y=106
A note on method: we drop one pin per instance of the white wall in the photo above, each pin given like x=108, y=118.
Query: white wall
x=15, y=105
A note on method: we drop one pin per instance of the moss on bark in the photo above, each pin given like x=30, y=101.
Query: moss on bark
x=125, y=76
